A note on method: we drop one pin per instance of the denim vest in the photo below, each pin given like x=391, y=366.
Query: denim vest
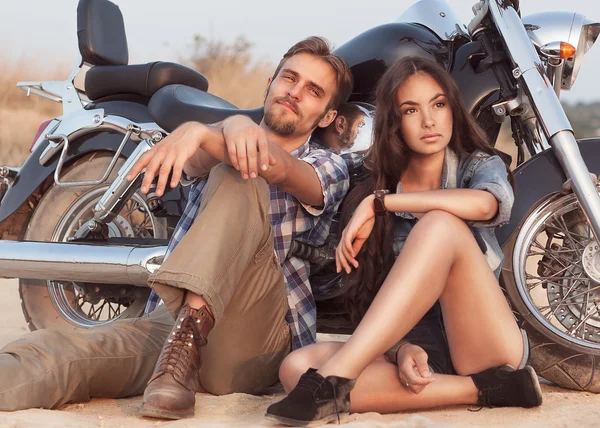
x=479, y=171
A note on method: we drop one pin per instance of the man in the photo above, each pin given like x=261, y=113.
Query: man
x=342, y=133
x=240, y=306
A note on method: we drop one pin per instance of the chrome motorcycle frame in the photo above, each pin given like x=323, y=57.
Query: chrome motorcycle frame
x=530, y=75
x=78, y=121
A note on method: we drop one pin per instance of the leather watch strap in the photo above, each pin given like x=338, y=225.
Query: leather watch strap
x=379, y=202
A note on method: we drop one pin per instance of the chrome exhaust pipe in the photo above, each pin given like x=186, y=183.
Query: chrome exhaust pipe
x=66, y=261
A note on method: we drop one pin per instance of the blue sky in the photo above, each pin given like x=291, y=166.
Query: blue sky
x=164, y=30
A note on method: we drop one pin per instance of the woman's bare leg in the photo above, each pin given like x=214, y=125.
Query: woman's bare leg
x=378, y=388
x=440, y=260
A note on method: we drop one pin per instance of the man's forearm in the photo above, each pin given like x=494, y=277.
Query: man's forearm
x=290, y=174
x=202, y=161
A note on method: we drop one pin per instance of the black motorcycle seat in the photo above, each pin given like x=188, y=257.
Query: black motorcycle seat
x=176, y=104
x=140, y=79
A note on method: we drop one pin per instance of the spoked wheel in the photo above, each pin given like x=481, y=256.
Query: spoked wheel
x=552, y=276
x=61, y=213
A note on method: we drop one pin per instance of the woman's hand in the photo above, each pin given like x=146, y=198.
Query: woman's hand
x=413, y=370
x=354, y=235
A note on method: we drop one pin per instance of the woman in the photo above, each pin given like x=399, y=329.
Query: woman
x=449, y=188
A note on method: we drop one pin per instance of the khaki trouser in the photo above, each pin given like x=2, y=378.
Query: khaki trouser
x=228, y=258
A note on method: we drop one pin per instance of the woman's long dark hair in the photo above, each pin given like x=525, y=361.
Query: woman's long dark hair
x=387, y=159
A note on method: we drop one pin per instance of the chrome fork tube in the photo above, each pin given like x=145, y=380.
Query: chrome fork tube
x=568, y=154
x=550, y=113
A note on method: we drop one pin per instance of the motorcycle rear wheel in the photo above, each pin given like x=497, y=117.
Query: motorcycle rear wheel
x=552, y=277
x=59, y=214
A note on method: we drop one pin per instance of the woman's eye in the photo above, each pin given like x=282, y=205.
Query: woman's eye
x=440, y=104
x=410, y=111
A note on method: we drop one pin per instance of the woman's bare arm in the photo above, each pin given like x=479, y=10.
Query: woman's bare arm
x=468, y=204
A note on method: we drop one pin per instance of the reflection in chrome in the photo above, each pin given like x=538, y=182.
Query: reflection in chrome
x=437, y=15
x=364, y=137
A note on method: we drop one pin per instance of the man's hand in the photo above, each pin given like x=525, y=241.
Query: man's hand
x=170, y=154
x=413, y=370
x=247, y=146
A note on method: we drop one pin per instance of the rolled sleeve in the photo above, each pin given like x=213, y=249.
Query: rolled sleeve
x=490, y=174
x=334, y=177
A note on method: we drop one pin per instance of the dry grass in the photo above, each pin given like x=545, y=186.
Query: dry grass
x=232, y=72
x=20, y=115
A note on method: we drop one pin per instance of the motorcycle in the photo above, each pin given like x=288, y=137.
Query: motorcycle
x=84, y=247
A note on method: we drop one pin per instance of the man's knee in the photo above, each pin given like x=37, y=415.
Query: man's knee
x=225, y=177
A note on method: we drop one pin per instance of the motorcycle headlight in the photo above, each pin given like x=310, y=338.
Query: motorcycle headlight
x=573, y=28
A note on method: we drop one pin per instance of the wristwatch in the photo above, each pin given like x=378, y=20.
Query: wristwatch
x=378, y=202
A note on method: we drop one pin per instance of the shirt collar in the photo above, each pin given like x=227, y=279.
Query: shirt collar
x=301, y=151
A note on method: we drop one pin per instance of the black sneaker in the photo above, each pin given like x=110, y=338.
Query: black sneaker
x=506, y=387
x=315, y=401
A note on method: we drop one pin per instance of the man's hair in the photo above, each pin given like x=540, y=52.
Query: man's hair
x=348, y=110
x=320, y=48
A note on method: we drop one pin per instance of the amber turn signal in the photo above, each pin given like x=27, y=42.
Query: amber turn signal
x=567, y=50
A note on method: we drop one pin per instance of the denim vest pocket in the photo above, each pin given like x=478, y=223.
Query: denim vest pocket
x=402, y=228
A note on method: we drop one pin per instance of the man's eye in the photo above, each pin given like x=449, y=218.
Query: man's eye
x=288, y=77
x=314, y=92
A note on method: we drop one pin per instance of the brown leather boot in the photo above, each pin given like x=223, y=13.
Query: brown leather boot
x=171, y=391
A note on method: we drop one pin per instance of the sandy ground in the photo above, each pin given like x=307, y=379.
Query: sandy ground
x=561, y=408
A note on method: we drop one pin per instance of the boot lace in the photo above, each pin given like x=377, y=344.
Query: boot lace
x=311, y=382
x=179, y=347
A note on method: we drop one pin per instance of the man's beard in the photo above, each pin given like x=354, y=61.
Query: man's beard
x=278, y=126
x=344, y=138
x=285, y=128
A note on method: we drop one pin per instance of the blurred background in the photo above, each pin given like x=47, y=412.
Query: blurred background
x=236, y=45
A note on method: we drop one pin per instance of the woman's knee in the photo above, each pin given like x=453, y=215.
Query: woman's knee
x=443, y=227
x=442, y=220
x=299, y=361
x=293, y=366
x=512, y=354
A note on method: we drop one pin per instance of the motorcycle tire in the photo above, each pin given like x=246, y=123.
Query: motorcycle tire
x=553, y=294
x=62, y=211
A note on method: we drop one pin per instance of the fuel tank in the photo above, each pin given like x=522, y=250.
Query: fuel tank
x=371, y=53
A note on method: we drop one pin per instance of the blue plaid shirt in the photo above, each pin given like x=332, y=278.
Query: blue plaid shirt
x=290, y=219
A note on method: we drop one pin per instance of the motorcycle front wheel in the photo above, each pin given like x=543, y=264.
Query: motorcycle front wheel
x=61, y=212
x=551, y=274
